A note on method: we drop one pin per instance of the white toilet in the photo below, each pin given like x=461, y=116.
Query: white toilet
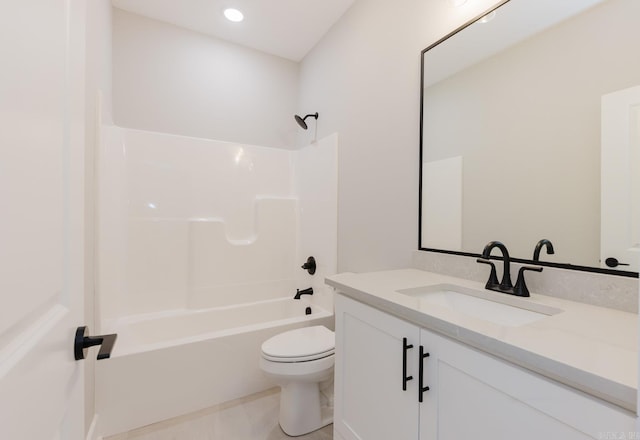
x=298, y=360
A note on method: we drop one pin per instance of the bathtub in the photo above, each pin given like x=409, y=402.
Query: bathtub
x=169, y=364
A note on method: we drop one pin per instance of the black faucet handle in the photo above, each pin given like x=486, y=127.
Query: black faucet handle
x=520, y=288
x=531, y=268
x=493, y=276
x=310, y=265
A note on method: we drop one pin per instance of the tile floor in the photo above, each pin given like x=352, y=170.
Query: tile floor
x=250, y=418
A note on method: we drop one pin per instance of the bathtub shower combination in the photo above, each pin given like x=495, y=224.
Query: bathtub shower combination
x=200, y=244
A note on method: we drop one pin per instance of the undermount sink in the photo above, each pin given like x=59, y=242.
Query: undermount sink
x=509, y=311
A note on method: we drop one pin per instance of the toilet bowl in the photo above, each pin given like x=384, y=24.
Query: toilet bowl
x=298, y=360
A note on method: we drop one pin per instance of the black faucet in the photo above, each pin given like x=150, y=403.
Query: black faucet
x=299, y=292
x=539, y=246
x=505, y=285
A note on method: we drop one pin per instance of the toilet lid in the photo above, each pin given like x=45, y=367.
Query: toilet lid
x=300, y=345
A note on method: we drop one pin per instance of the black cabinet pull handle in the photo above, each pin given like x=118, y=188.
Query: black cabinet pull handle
x=82, y=342
x=405, y=378
x=422, y=388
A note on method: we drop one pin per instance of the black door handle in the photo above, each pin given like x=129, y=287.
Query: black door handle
x=82, y=342
x=613, y=262
x=421, y=386
x=405, y=378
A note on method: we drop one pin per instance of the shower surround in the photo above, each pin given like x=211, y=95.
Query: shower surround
x=192, y=230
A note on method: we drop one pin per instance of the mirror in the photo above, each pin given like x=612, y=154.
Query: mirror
x=512, y=108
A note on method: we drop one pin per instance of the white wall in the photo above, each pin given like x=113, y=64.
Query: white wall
x=363, y=78
x=172, y=80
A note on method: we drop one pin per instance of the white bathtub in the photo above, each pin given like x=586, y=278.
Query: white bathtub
x=170, y=364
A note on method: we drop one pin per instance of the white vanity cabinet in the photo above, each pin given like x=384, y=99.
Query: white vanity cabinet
x=471, y=394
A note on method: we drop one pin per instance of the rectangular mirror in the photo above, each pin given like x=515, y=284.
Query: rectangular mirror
x=529, y=125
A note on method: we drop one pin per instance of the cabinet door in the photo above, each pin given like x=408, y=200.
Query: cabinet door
x=481, y=397
x=370, y=403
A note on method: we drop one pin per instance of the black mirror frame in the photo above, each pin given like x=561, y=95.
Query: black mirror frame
x=568, y=266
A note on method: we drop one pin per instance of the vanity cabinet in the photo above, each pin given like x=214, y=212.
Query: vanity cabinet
x=471, y=395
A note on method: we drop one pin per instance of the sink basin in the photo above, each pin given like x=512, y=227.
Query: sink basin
x=507, y=311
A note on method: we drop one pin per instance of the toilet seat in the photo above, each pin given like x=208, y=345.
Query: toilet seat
x=313, y=357
x=300, y=345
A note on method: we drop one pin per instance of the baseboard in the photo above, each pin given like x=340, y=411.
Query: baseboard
x=92, y=433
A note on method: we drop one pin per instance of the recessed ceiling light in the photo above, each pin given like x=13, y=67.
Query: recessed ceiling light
x=233, y=15
x=457, y=3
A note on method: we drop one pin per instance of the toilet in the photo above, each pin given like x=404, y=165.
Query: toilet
x=298, y=360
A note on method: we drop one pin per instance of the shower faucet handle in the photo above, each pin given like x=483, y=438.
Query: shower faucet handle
x=310, y=265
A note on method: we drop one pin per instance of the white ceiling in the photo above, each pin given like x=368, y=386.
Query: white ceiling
x=287, y=28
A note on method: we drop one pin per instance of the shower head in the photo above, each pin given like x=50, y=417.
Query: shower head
x=301, y=122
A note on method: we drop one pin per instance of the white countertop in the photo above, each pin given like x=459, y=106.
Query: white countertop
x=592, y=349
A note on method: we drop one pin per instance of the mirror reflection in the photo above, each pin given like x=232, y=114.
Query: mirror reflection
x=530, y=127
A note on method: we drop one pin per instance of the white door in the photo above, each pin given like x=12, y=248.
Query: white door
x=620, y=180
x=41, y=218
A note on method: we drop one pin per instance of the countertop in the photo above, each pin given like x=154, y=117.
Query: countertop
x=592, y=349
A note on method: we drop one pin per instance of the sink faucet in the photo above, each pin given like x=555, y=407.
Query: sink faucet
x=505, y=285
x=299, y=292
